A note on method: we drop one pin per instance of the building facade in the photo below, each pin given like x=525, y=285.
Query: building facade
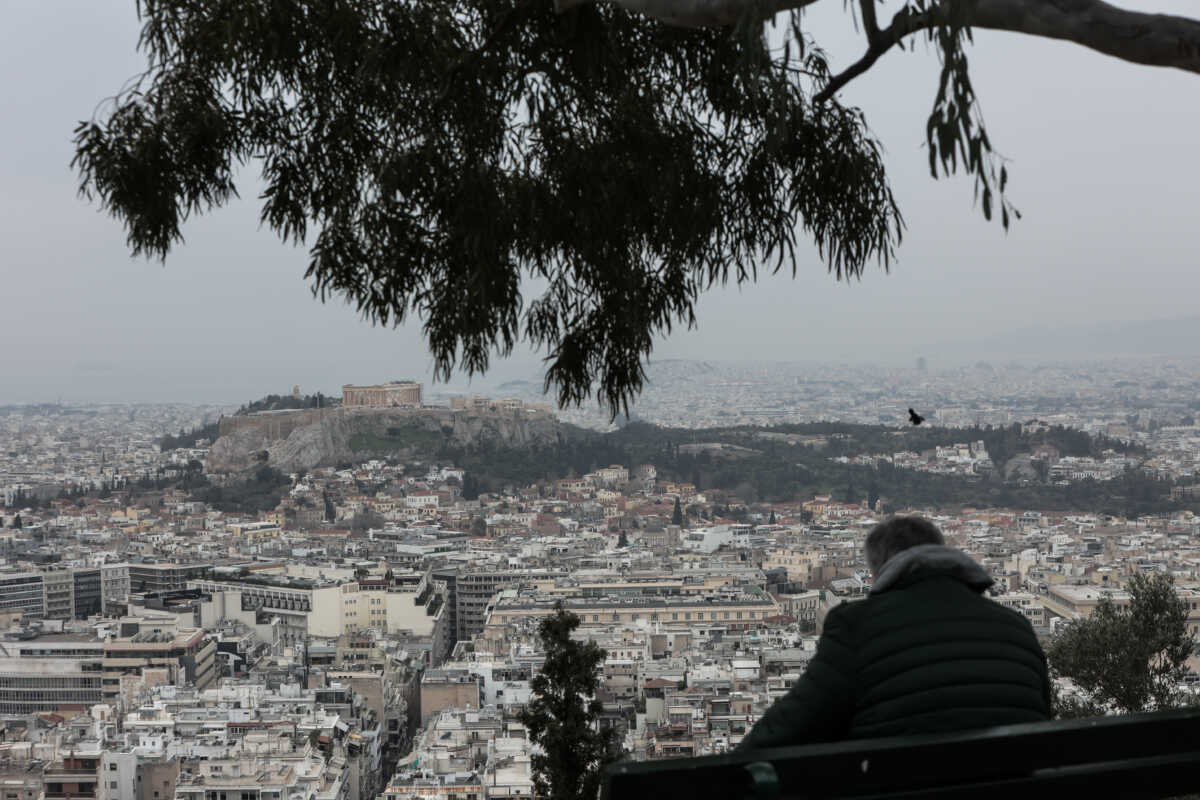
x=54, y=672
x=474, y=590
x=24, y=592
x=448, y=688
x=164, y=577
x=58, y=588
x=382, y=395
x=88, y=593
x=114, y=588
x=185, y=655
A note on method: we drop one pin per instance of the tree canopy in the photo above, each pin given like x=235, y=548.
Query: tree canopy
x=1126, y=659
x=190, y=437
x=574, y=175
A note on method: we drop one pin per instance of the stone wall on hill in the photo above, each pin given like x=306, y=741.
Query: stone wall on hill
x=272, y=424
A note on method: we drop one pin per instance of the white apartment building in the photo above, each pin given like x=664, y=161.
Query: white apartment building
x=422, y=500
x=309, y=608
x=114, y=585
x=708, y=540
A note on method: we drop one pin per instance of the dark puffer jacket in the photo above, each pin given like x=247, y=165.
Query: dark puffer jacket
x=924, y=653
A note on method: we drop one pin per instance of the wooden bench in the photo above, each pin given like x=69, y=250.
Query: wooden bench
x=1137, y=755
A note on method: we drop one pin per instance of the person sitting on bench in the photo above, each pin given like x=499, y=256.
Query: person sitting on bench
x=925, y=652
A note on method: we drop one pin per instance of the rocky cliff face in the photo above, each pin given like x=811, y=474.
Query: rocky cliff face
x=346, y=435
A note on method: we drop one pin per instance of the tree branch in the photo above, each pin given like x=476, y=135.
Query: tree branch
x=1160, y=40
x=904, y=23
x=850, y=73
x=870, y=25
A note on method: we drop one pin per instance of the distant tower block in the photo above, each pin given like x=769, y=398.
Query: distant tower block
x=922, y=365
x=382, y=395
x=296, y=391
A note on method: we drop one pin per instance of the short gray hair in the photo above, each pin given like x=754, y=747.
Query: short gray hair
x=896, y=534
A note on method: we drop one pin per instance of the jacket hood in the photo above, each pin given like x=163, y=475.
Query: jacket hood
x=927, y=560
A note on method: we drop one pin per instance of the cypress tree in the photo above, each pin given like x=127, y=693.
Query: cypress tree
x=561, y=716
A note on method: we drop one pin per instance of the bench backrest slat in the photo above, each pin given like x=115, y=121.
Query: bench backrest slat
x=1132, y=748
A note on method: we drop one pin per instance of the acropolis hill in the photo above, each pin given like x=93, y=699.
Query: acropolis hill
x=303, y=439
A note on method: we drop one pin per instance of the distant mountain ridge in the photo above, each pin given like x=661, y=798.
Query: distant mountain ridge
x=1175, y=337
x=1170, y=338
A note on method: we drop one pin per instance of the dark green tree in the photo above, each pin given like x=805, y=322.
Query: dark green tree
x=1126, y=659
x=627, y=156
x=364, y=521
x=677, y=514
x=622, y=540
x=562, y=716
x=478, y=527
x=771, y=521
x=470, y=487
x=17, y=523
x=189, y=438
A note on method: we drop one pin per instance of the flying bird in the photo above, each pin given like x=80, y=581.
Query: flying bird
x=914, y=417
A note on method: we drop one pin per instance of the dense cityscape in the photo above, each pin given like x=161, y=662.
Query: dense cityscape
x=338, y=597
x=599, y=400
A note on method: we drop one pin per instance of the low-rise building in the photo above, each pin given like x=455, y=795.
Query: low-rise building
x=149, y=657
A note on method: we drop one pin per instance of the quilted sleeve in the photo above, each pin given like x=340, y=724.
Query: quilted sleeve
x=819, y=707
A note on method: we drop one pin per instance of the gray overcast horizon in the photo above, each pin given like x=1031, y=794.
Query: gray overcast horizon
x=1103, y=167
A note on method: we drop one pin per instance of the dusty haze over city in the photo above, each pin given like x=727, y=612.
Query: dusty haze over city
x=1103, y=167
x=251, y=548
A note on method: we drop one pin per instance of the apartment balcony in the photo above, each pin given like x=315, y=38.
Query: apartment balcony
x=70, y=784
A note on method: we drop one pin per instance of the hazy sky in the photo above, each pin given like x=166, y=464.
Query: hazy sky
x=1104, y=168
